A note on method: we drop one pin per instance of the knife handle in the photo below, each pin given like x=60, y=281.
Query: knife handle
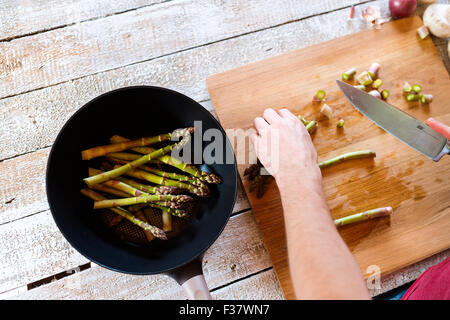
x=445, y=150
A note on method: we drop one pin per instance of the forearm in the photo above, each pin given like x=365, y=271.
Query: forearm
x=321, y=265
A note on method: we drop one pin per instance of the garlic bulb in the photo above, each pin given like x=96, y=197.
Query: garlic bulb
x=437, y=18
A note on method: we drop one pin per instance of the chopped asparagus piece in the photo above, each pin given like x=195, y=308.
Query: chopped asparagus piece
x=320, y=95
x=358, y=217
x=428, y=98
x=412, y=97
x=347, y=156
x=373, y=70
x=407, y=88
x=377, y=83
x=348, y=74
x=311, y=126
x=416, y=88
x=365, y=79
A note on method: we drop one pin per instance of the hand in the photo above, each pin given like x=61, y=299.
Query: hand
x=284, y=148
x=439, y=127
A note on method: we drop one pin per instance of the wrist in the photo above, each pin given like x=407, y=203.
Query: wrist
x=300, y=182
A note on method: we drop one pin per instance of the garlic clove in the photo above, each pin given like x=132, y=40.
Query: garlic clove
x=327, y=111
x=437, y=18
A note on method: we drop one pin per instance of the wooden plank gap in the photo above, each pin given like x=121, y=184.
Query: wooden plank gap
x=58, y=276
x=241, y=279
x=240, y=212
x=25, y=216
x=183, y=50
x=11, y=38
x=13, y=292
x=25, y=153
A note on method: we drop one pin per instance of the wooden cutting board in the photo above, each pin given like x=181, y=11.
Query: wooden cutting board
x=416, y=187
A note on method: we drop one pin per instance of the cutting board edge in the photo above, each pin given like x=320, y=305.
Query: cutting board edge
x=251, y=64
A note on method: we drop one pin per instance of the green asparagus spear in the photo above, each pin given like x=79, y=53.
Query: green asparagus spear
x=171, y=204
x=167, y=220
x=141, y=216
x=311, y=126
x=136, y=185
x=126, y=214
x=202, y=175
x=192, y=170
x=379, y=212
x=148, y=188
x=144, y=175
x=112, y=203
x=173, y=175
x=347, y=156
x=134, y=164
x=102, y=188
x=175, y=212
x=258, y=181
x=103, y=150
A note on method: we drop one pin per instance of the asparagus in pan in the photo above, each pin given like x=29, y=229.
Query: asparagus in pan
x=133, y=179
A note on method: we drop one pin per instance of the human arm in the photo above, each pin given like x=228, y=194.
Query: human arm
x=320, y=263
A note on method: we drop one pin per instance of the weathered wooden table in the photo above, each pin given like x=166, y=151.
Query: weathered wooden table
x=57, y=55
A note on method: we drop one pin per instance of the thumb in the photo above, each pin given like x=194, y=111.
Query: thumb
x=439, y=127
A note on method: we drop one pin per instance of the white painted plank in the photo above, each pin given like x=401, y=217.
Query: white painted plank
x=22, y=190
x=22, y=17
x=59, y=55
x=263, y=286
x=31, y=121
x=237, y=253
x=31, y=249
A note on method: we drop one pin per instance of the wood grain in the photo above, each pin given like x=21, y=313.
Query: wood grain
x=33, y=248
x=31, y=121
x=398, y=177
x=19, y=18
x=63, y=54
x=263, y=286
x=237, y=253
x=22, y=191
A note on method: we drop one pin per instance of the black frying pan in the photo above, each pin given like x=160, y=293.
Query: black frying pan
x=135, y=112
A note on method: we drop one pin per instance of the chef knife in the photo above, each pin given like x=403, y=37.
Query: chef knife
x=401, y=125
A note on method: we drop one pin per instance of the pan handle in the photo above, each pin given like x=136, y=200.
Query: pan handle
x=190, y=278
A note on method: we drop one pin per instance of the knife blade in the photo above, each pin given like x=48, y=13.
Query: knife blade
x=398, y=123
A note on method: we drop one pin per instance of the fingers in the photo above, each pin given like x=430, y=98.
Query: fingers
x=254, y=139
x=285, y=113
x=260, y=124
x=271, y=116
x=439, y=127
